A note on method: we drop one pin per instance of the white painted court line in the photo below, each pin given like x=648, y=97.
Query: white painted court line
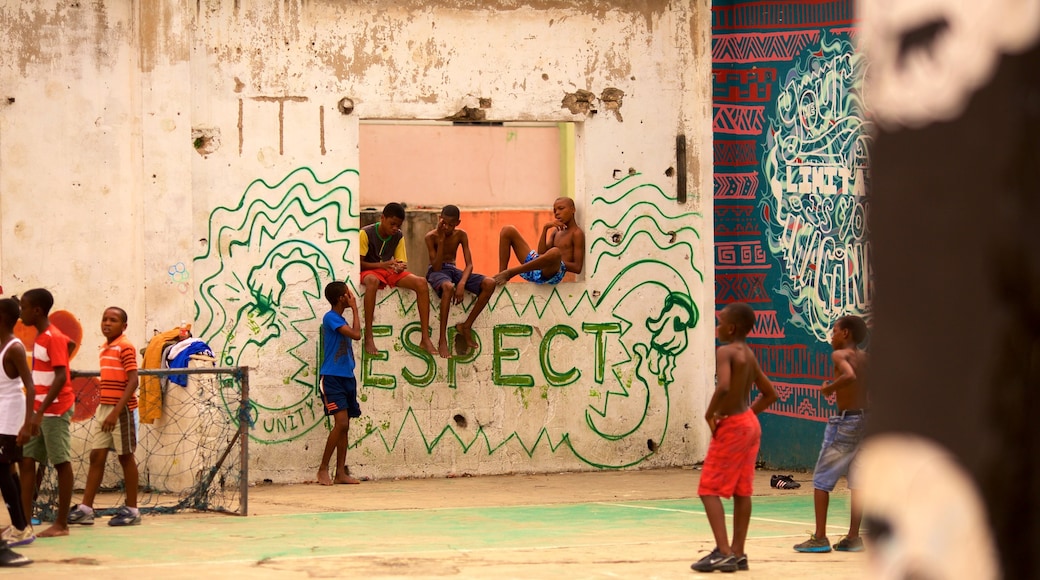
x=700, y=513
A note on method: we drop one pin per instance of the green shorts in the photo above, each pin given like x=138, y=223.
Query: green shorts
x=53, y=444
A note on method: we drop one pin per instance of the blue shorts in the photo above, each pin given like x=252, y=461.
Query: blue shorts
x=536, y=275
x=339, y=393
x=450, y=273
x=840, y=444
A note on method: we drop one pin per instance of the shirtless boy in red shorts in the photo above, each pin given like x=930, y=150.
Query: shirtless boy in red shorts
x=729, y=468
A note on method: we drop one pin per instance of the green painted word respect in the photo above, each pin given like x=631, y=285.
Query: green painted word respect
x=559, y=344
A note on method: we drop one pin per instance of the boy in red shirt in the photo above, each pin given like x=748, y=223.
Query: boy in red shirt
x=113, y=426
x=53, y=408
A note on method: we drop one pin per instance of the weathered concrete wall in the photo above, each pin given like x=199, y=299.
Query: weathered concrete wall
x=199, y=161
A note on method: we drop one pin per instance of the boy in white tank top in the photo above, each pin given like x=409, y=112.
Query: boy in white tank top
x=15, y=410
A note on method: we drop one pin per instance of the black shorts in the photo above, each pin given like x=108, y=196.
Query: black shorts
x=339, y=394
x=10, y=452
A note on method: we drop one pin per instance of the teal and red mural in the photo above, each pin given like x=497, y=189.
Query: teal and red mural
x=791, y=181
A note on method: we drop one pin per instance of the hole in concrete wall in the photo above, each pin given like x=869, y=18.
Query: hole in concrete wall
x=205, y=140
x=669, y=172
x=460, y=421
x=612, y=99
x=345, y=105
x=651, y=445
x=579, y=102
x=469, y=115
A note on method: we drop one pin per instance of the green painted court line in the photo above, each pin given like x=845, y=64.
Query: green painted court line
x=180, y=540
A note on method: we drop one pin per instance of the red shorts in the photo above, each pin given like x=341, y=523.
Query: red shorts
x=386, y=277
x=729, y=468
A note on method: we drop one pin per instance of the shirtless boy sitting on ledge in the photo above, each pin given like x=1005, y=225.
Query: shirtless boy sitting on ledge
x=561, y=249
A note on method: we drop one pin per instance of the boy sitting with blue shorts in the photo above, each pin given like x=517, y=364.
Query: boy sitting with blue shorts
x=561, y=249
x=449, y=282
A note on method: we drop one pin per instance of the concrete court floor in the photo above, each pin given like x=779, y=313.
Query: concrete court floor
x=631, y=524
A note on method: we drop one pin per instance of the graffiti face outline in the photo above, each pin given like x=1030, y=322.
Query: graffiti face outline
x=260, y=277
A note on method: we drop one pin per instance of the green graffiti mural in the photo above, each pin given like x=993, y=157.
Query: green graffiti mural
x=816, y=165
x=667, y=233
x=259, y=304
x=640, y=355
x=260, y=285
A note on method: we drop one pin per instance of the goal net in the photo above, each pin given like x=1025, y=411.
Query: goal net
x=195, y=456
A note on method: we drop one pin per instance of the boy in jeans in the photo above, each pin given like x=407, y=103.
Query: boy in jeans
x=729, y=468
x=113, y=426
x=841, y=440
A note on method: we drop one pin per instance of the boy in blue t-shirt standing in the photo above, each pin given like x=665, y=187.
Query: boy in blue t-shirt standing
x=338, y=386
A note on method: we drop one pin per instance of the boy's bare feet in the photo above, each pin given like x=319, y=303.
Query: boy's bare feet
x=370, y=346
x=502, y=277
x=347, y=480
x=427, y=345
x=443, y=349
x=323, y=477
x=466, y=333
x=461, y=348
x=53, y=532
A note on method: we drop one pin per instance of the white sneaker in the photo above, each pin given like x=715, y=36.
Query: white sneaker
x=15, y=537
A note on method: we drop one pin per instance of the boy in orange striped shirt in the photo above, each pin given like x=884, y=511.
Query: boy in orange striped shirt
x=113, y=426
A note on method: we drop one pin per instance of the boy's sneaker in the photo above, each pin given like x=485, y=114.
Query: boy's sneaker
x=125, y=517
x=9, y=557
x=15, y=537
x=715, y=561
x=78, y=516
x=814, y=544
x=742, y=563
x=783, y=482
x=849, y=545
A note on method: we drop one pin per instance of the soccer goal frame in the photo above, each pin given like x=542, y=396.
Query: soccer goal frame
x=186, y=459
